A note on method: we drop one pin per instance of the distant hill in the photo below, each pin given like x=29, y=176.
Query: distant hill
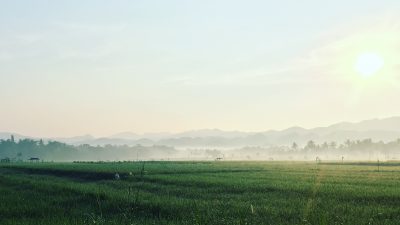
x=72, y=140
x=211, y=133
x=131, y=135
x=388, y=124
x=386, y=129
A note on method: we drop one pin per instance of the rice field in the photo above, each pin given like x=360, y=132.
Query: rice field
x=302, y=193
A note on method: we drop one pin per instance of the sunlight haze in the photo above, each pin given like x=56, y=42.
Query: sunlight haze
x=102, y=67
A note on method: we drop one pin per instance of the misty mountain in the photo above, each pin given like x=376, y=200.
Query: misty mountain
x=73, y=140
x=211, y=133
x=125, y=135
x=387, y=124
x=131, y=135
x=387, y=129
x=192, y=134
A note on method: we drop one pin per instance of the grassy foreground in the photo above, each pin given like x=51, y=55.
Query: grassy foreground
x=200, y=193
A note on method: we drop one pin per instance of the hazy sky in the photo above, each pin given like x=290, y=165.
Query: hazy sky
x=101, y=67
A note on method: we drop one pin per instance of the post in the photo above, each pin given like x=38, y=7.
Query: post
x=378, y=165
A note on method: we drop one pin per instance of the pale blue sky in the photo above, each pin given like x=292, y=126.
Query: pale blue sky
x=101, y=67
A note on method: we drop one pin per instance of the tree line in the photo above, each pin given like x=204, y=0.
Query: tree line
x=25, y=149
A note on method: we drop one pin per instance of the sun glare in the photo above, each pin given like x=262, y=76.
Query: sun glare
x=368, y=64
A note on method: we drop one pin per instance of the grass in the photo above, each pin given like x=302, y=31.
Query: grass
x=200, y=193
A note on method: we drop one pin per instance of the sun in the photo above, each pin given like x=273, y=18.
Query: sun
x=368, y=64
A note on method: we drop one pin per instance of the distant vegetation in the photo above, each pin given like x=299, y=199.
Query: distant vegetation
x=349, y=150
x=25, y=149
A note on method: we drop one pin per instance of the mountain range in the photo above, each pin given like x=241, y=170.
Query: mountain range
x=386, y=129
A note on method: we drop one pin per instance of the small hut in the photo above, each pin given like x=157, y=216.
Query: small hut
x=34, y=159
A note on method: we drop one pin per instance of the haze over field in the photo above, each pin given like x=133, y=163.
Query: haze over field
x=365, y=140
x=102, y=67
x=210, y=112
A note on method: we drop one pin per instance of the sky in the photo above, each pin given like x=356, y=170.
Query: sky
x=101, y=67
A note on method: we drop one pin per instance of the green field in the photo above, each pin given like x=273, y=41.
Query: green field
x=200, y=193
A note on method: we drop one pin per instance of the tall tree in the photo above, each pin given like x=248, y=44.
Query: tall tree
x=310, y=145
x=295, y=146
